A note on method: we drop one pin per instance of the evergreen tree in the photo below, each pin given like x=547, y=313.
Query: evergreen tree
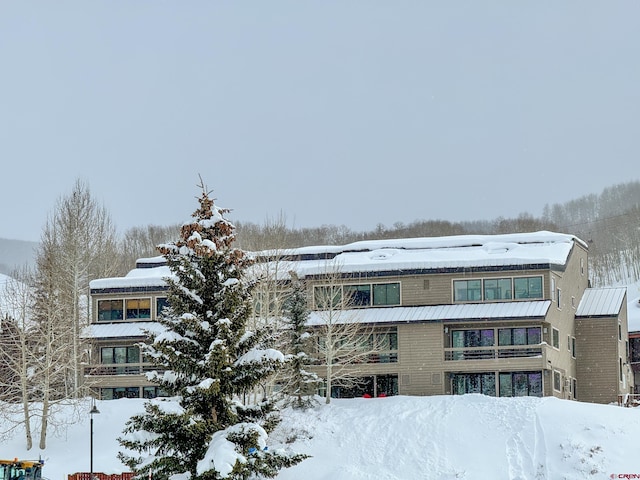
x=300, y=384
x=208, y=360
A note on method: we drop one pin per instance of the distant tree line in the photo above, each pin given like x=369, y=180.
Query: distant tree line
x=609, y=223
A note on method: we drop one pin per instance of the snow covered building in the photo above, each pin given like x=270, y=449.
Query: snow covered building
x=123, y=310
x=502, y=315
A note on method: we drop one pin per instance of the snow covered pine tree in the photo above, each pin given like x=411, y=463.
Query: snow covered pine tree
x=208, y=361
x=299, y=383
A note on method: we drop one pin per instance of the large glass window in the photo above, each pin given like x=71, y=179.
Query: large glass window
x=386, y=294
x=498, y=289
x=119, y=392
x=484, y=383
x=519, y=336
x=492, y=289
x=326, y=297
x=110, y=310
x=138, y=308
x=467, y=290
x=472, y=338
x=378, y=385
x=357, y=295
x=386, y=385
x=110, y=355
x=520, y=384
x=528, y=287
x=361, y=295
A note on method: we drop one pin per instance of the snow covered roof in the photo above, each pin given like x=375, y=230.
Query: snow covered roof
x=437, y=253
x=601, y=302
x=141, y=277
x=121, y=329
x=467, y=311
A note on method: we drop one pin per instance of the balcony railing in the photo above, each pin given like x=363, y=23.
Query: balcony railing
x=119, y=369
x=491, y=353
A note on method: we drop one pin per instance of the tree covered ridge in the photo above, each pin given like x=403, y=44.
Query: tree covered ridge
x=608, y=222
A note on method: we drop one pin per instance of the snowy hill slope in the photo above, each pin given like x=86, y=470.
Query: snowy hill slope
x=15, y=254
x=403, y=438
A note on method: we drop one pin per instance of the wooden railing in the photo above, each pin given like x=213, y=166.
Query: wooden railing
x=100, y=476
x=490, y=353
x=119, y=369
x=629, y=400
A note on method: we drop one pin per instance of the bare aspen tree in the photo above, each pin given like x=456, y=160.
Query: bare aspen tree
x=84, y=248
x=53, y=332
x=343, y=343
x=77, y=244
x=17, y=350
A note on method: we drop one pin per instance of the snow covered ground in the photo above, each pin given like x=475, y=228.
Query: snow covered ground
x=403, y=438
x=400, y=438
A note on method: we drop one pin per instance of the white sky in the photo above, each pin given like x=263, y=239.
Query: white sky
x=333, y=112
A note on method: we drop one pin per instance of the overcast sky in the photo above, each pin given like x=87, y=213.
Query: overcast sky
x=329, y=112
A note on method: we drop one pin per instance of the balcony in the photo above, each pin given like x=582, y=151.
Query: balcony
x=118, y=369
x=494, y=352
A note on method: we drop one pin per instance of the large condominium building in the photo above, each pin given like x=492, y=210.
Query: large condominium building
x=501, y=315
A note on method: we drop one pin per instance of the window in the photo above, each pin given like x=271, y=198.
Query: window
x=519, y=336
x=520, y=384
x=386, y=294
x=363, y=295
x=110, y=310
x=378, y=385
x=569, y=342
x=358, y=295
x=528, y=287
x=119, y=392
x=497, y=289
x=386, y=385
x=620, y=369
x=558, y=298
x=161, y=303
x=111, y=355
x=635, y=349
x=138, y=308
x=557, y=381
x=153, y=392
x=484, y=383
x=326, y=297
x=472, y=338
x=574, y=383
x=467, y=290
x=619, y=332
x=555, y=338
x=553, y=289
x=385, y=343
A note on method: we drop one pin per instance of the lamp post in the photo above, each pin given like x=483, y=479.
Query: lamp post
x=93, y=410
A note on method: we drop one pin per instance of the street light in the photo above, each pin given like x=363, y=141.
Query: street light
x=93, y=410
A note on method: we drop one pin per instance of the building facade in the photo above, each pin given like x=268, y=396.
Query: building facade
x=123, y=310
x=500, y=315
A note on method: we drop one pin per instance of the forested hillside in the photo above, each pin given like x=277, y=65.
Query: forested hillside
x=609, y=222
